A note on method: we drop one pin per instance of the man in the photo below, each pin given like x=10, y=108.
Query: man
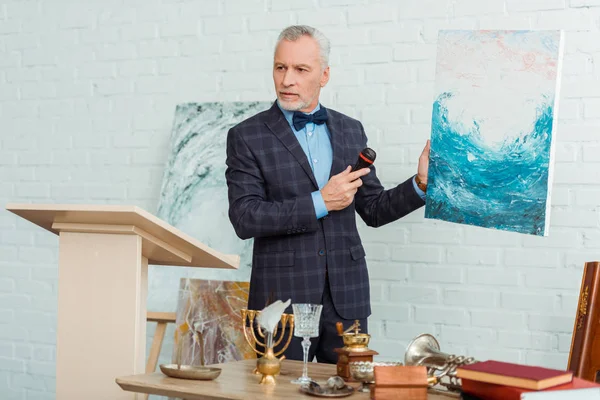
x=291, y=189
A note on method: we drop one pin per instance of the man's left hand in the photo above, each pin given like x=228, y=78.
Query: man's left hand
x=424, y=163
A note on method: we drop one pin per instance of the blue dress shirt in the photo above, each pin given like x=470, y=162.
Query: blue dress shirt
x=316, y=143
x=315, y=140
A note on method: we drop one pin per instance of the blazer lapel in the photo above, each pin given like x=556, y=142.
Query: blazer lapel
x=335, y=126
x=280, y=127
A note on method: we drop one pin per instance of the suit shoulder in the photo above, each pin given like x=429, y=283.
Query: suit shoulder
x=252, y=122
x=344, y=117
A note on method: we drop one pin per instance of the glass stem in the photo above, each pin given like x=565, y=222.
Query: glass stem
x=305, y=347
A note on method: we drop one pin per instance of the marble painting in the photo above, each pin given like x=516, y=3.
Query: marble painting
x=193, y=195
x=212, y=309
x=493, y=129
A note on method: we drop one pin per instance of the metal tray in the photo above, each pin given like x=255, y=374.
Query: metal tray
x=190, y=372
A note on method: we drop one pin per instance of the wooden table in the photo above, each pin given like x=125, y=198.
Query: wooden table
x=237, y=382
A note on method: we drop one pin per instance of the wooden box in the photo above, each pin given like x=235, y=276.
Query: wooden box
x=400, y=382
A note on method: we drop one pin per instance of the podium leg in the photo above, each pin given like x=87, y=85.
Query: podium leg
x=101, y=329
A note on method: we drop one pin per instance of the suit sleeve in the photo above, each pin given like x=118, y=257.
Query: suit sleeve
x=377, y=206
x=251, y=213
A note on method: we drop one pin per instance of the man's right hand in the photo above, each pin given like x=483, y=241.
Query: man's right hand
x=339, y=192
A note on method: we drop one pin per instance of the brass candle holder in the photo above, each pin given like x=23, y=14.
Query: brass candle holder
x=268, y=365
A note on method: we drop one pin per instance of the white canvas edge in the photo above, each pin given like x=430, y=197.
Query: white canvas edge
x=432, y=100
x=561, y=47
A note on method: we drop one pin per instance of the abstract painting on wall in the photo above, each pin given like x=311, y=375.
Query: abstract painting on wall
x=209, y=323
x=193, y=196
x=493, y=128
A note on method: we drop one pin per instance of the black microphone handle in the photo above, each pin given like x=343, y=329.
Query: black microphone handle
x=368, y=154
x=360, y=163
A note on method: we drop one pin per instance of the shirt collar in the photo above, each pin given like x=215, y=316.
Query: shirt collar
x=289, y=115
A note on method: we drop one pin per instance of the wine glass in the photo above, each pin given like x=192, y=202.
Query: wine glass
x=306, y=325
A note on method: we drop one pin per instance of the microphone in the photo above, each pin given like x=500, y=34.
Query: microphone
x=365, y=159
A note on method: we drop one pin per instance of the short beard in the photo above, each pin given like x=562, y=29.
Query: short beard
x=298, y=106
x=295, y=107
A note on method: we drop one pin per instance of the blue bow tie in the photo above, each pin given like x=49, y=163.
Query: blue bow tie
x=300, y=119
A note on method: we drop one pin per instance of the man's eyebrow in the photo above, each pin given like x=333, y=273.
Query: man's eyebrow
x=295, y=65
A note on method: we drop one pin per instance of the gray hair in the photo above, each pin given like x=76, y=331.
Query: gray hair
x=295, y=32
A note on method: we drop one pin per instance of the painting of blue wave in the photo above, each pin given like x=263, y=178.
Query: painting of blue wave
x=492, y=129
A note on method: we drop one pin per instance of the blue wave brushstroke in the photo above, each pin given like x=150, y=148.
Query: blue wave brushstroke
x=502, y=187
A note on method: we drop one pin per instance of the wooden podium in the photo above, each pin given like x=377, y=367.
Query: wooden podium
x=104, y=252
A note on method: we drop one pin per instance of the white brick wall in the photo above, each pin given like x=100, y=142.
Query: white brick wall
x=87, y=93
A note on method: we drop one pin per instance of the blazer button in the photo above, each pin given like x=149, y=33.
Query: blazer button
x=321, y=252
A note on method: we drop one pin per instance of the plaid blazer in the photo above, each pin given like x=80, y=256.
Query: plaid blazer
x=270, y=181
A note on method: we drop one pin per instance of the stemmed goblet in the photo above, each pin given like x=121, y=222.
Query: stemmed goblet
x=307, y=317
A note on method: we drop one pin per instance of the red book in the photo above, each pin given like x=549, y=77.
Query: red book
x=489, y=391
x=517, y=375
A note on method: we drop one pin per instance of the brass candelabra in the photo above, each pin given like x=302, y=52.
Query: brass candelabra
x=269, y=365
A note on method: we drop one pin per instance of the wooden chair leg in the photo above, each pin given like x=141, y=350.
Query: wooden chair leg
x=161, y=319
x=159, y=335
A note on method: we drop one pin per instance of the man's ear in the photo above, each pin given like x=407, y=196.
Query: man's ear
x=325, y=77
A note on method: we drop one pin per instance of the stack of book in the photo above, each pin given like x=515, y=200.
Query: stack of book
x=496, y=380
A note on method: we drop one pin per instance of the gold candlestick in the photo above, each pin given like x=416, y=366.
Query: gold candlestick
x=268, y=365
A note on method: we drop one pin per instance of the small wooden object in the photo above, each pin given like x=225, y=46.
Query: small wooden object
x=345, y=357
x=355, y=350
x=400, y=382
x=584, y=357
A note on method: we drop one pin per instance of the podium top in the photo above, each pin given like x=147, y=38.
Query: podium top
x=163, y=244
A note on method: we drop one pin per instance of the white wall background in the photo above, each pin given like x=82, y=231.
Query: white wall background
x=87, y=94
